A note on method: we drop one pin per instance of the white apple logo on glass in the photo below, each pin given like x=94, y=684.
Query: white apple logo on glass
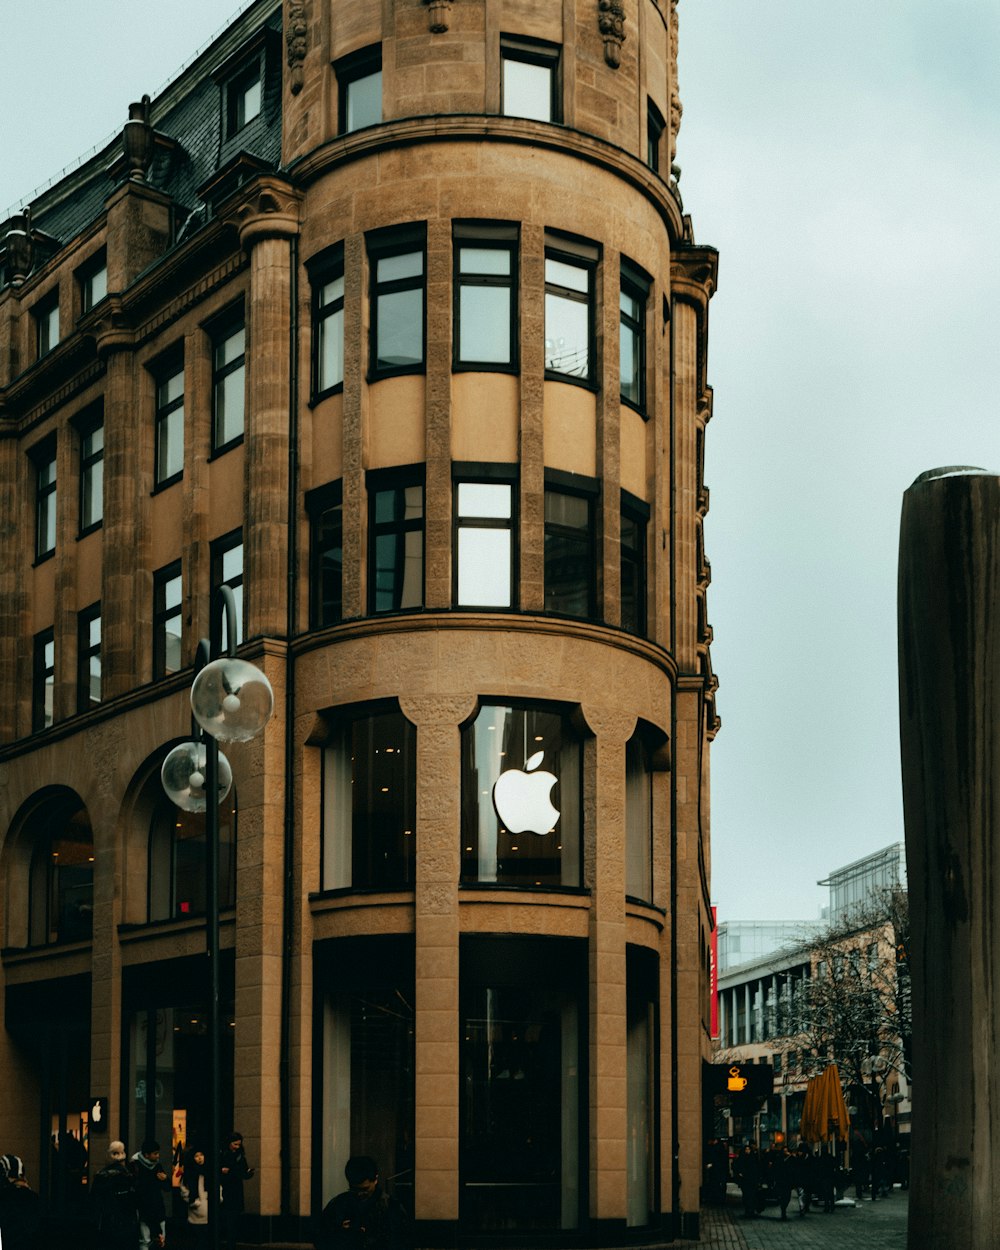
x=521, y=798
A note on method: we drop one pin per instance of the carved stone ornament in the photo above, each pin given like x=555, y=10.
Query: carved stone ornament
x=137, y=140
x=611, y=20
x=438, y=15
x=295, y=43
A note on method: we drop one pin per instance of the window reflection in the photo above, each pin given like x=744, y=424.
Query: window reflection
x=484, y=542
x=61, y=889
x=499, y=843
x=176, y=880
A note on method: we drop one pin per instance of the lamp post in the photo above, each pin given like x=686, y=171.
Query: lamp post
x=231, y=701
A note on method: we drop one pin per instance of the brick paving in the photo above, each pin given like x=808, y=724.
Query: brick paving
x=867, y=1226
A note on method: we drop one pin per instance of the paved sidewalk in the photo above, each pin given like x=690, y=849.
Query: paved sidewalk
x=868, y=1226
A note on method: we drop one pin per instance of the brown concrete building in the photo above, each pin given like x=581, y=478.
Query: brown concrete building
x=387, y=315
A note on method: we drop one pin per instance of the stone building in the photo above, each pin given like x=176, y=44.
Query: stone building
x=385, y=314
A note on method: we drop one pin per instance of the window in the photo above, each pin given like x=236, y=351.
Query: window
x=91, y=472
x=328, y=323
x=170, y=425
x=370, y=802
x=632, y=335
x=47, y=324
x=177, y=859
x=485, y=293
x=61, y=888
x=569, y=311
x=243, y=98
x=359, y=77
x=395, y=540
x=167, y=628
x=93, y=279
x=227, y=570
x=638, y=820
x=88, y=682
x=529, y=79
x=521, y=788
x=655, y=126
x=396, y=260
x=326, y=554
x=45, y=500
x=569, y=550
x=484, y=542
x=228, y=383
x=634, y=522
x=43, y=680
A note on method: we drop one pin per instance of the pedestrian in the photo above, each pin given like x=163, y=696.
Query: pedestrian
x=194, y=1192
x=365, y=1216
x=20, y=1207
x=113, y=1201
x=716, y=1171
x=233, y=1172
x=150, y=1178
x=826, y=1177
x=784, y=1179
x=803, y=1178
x=748, y=1174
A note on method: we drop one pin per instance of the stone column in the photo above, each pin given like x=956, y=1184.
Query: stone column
x=949, y=696
x=605, y=839
x=436, y=962
x=532, y=437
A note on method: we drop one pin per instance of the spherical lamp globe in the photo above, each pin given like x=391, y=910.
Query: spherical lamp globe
x=232, y=700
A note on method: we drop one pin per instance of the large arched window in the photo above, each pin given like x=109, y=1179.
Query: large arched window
x=176, y=880
x=61, y=890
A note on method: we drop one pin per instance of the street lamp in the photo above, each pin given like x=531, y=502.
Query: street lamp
x=231, y=701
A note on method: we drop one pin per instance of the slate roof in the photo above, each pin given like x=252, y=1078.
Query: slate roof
x=191, y=111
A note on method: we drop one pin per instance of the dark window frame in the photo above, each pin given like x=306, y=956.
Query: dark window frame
x=473, y=473
x=87, y=650
x=250, y=73
x=163, y=824
x=384, y=244
x=571, y=484
x=490, y=236
x=43, y=676
x=43, y=457
x=163, y=615
x=220, y=330
x=400, y=479
x=87, y=424
x=541, y=52
x=85, y=276
x=635, y=284
x=320, y=503
x=42, y=314
x=586, y=256
x=323, y=270
x=638, y=511
x=163, y=373
x=351, y=69
x=655, y=128
x=219, y=548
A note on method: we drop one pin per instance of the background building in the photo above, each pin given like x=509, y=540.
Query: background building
x=387, y=316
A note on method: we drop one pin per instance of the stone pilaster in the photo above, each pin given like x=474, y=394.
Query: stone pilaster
x=355, y=396
x=609, y=442
x=14, y=558
x=608, y=980
x=436, y=926
x=532, y=499
x=437, y=576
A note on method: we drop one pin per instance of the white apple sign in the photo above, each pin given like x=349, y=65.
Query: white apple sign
x=521, y=798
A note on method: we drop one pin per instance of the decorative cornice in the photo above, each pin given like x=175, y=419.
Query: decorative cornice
x=269, y=211
x=611, y=21
x=694, y=272
x=438, y=15
x=296, y=43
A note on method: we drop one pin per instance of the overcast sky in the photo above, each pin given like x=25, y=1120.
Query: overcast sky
x=845, y=161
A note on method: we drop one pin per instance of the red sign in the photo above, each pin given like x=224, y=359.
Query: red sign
x=713, y=975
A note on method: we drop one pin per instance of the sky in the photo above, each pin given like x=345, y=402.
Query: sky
x=845, y=161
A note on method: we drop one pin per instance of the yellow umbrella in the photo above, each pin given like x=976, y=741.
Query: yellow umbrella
x=824, y=1112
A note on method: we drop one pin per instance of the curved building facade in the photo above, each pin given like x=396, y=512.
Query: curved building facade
x=388, y=316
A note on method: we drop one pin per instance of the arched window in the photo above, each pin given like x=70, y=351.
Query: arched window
x=61, y=890
x=176, y=880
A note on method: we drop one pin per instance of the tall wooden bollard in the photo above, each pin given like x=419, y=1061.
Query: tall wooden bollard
x=949, y=703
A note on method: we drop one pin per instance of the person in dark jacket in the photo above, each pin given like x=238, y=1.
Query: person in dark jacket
x=233, y=1172
x=149, y=1177
x=20, y=1207
x=363, y=1217
x=113, y=1199
x=749, y=1175
x=784, y=1174
x=826, y=1178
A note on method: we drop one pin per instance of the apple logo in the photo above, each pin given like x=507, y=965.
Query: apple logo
x=521, y=798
